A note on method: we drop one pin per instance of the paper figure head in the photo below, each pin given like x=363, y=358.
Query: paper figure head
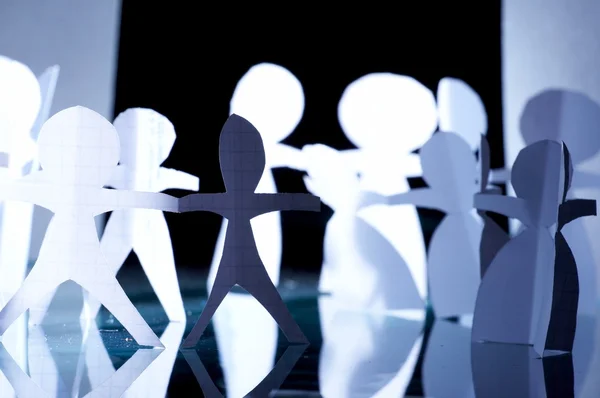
x=538, y=176
x=20, y=101
x=78, y=146
x=388, y=112
x=461, y=111
x=449, y=165
x=241, y=154
x=562, y=115
x=271, y=98
x=146, y=137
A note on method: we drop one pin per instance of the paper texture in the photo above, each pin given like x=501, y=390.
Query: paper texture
x=272, y=99
x=242, y=159
x=78, y=151
x=533, y=311
x=147, y=138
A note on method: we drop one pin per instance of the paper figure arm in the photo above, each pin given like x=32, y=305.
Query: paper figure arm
x=420, y=197
x=119, y=177
x=585, y=179
x=286, y=156
x=176, y=179
x=508, y=206
x=499, y=176
x=112, y=199
x=218, y=203
x=575, y=208
x=30, y=192
x=269, y=202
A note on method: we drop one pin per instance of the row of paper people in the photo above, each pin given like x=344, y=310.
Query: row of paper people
x=374, y=83
x=361, y=353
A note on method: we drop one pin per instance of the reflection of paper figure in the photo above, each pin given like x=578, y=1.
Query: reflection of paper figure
x=247, y=342
x=524, y=313
x=271, y=382
x=360, y=266
x=242, y=161
x=272, y=99
x=365, y=355
x=78, y=151
x=461, y=111
x=447, y=363
x=146, y=140
x=387, y=117
x=501, y=371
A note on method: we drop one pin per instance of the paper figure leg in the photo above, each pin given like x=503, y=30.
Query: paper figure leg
x=156, y=256
x=215, y=299
x=260, y=286
x=40, y=282
x=110, y=294
x=37, y=313
x=116, y=244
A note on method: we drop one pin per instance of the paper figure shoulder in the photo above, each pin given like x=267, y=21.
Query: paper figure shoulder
x=242, y=160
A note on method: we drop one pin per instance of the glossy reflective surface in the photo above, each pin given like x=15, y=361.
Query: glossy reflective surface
x=241, y=354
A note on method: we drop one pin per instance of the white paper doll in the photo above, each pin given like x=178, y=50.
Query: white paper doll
x=78, y=151
x=272, y=99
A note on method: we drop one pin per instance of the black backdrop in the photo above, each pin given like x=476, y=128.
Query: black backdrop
x=185, y=61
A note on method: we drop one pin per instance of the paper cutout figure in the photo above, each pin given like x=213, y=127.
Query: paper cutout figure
x=247, y=337
x=523, y=314
x=360, y=266
x=461, y=111
x=501, y=370
x=387, y=117
x=271, y=382
x=147, y=138
x=366, y=355
x=23, y=386
x=78, y=151
x=242, y=161
x=272, y=99
x=493, y=237
x=447, y=364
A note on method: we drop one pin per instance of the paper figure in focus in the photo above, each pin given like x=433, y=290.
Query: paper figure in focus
x=527, y=313
x=365, y=355
x=387, y=117
x=270, y=383
x=360, y=266
x=147, y=138
x=242, y=159
x=272, y=99
x=450, y=169
x=78, y=151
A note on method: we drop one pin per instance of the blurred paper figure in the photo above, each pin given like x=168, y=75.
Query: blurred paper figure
x=360, y=266
x=447, y=364
x=387, y=117
x=147, y=138
x=271, y=98
x=365, y=355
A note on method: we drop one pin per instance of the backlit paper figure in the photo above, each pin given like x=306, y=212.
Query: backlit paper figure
x=529, y=293
x=242, y=160
x=387, y=117
x=78, y=151
x=146, y=139
x=272, y=99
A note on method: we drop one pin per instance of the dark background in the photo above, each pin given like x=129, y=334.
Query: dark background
x=184, y=62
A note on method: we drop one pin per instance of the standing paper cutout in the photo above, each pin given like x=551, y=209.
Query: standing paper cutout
x=146, y=138
x=493, y=237
x=450, y=169
x=360, y=266
x=365, y=355
x=271, y=382
x=242, y=159
x=523, y=313
x=78, y=151
x=387, y=117
x=272, y=99
x=461, y=111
